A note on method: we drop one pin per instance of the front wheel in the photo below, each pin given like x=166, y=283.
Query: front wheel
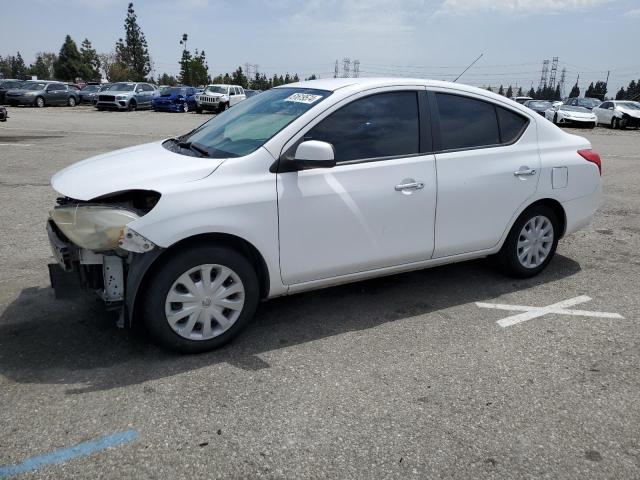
x=555, y=119
x=39, y=102
x=199, y=299
x=71, y=102
x=185, y=109
x=614, y=123
x=531, y=243
x=132, y=106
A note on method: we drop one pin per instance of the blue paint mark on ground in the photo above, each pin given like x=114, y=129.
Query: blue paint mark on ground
x=60, y=456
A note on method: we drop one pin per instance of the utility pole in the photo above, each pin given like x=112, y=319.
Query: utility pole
x=554, y=69
x=543, y=75
x=563, y=74
x=606, y=85
x=335, y=72
x=346, y=67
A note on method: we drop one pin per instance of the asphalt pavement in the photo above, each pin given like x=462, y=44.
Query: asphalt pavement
x=408, y=376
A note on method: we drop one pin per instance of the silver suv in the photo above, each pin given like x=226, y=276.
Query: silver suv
x=126, y=96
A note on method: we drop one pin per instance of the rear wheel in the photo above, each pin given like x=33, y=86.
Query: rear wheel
x=201, y=298
x=531, y=243
x=39, y=102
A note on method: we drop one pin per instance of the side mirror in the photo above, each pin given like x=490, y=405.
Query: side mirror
x=315, y=154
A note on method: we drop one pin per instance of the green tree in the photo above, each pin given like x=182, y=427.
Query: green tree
x=185, y=67
x=520, y=92
x=90, y=61
x=166, y=79
x=590, y=90
x=575, y=91
x=18, y=67
x=532, y=93
x=69, y=65
x=312, y=77
x=501, y=90
x=132, y=52
x=621, y=95
x=239, y=78
x=489, y=89
x=40, y=69
x=199, y=69
x=509, y=93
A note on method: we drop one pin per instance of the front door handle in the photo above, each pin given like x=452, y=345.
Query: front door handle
x=524, y=172
x=409, y=186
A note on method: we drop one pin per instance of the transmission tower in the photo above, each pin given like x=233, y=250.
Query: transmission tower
x=543, y=75
x=356, y=68
x=335, y=72
x=563, y=74
x=554, y=69
x=346, y=67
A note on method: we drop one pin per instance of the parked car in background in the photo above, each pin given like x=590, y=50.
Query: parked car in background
x=587, y=102
x=175, y=99
x=88, y=93
x=251, y=93
x=538, y=106
x=618, y=113
x=219, y=97
x=3, y=114
x=521, y=100
x=314, y=184
x=570, y=115
x=6, y=85
x=39, y=93
x=126, y=96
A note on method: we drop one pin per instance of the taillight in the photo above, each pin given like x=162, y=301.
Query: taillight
x=591, y=156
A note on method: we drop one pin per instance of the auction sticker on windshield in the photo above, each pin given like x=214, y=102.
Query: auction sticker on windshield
x=303, y=98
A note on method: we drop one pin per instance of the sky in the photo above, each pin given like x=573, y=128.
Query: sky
x=416, y=38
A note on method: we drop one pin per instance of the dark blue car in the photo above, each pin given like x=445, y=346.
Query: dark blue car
x=175, y=99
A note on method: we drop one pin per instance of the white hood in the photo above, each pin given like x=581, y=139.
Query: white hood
x=144, y=167
x=575, y=114
x=629, y=111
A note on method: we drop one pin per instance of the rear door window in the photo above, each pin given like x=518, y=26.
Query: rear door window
x=467, y=123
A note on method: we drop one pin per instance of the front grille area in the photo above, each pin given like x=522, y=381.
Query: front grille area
x=106, y=98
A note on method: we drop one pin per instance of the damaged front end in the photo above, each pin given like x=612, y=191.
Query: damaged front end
x=94, y=246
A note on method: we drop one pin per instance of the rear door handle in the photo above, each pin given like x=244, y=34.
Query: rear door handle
x=525, y=172
x=409, y=186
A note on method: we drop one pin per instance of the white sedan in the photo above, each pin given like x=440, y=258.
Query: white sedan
x=315, y=184
x=570, y=115
x=618, y=114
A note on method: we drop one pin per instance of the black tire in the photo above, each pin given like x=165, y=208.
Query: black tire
x=72, y=102
x=39, y=102
x=507, y=257
x=614, y=123
x=132, y=106
x=623, y=123
x=198, y=110
x=592, y=126
x=164, y=276
x=223, y=107
x=555, y=119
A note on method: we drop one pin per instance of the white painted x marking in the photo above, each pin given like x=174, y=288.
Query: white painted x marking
x=560, y=308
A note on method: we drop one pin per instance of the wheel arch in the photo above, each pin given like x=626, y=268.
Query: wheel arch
x=143, y=266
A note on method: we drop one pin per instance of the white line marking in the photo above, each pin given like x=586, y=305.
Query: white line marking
x=15, y=144
x=560, y=308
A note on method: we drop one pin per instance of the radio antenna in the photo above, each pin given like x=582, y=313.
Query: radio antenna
x=472, y=64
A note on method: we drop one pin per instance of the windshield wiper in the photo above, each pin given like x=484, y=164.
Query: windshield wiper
x=191, y=146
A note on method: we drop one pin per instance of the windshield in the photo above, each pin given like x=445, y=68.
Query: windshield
x=11, y=84
x=168, y=91
x=534, y=104
x=122, y=87
x=589, y=102
x=216, y=89
x=250, y=123
x=571, y=108
x=91, y=88
x=629, y=105
x=33, y=86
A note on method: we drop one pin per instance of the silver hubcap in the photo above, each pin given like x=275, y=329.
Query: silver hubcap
x=204, y=302
x=535, y=241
